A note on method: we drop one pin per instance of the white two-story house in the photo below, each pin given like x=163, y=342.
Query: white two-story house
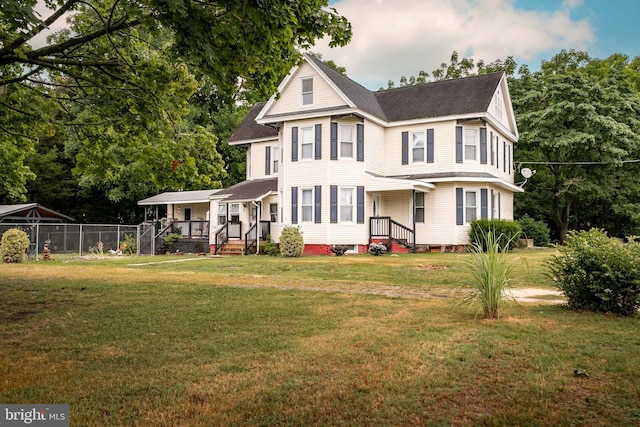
x=411, y=166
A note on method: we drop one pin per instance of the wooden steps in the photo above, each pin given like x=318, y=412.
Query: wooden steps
x=233, y=247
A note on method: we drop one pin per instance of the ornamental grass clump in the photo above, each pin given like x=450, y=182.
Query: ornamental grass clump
x=489, y=273
x=13, y=246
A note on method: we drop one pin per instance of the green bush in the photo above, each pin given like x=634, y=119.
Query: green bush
x=13, y=245
x=536, y=230
x=377, y=249
x=489, y=273
x=269, y=247
x=506, y=233
x=598, y=273
x=171, y=240
x=129, y=246
x=291, y=241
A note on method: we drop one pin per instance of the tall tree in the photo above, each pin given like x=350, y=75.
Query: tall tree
x=119, y=77
x=580, y=128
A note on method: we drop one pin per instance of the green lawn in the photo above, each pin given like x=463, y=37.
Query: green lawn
x=353, y=340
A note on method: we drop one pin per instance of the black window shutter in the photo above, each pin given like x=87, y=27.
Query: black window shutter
x=484, y=203
x=360, y=142
x=405, y=148
x=360, y=205
x=333, y=195
x=459, y=206
x=318, y=204
x=334, y=141
x=509, y=159
x=458, y=144
x=497, y=152
x=294, y=144
x=318, y=144
x=504, y=156
x=430, y=147
x=483, y=146
x=499, y=205
x=294, y=205
x=492, y=206
x=267, y=160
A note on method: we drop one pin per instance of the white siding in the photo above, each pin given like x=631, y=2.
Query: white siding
x=290, y=100
x=257, y=161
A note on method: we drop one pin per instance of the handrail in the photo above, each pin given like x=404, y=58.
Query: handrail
x=384, y=227
x=251, y=238
x=222, y=237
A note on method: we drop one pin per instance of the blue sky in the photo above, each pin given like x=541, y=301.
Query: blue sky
x=393, y=38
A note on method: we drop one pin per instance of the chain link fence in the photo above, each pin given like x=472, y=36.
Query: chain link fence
x=84, y=239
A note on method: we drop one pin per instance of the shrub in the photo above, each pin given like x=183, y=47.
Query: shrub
x=598, y=273
x=291, y=241
x=269, y=247
x=506, y=232
x=489, y=273
x=377, y=249
x=13, y=245
x=129, y=246
x=171, y=240
x=536, y=230
x=339, y=250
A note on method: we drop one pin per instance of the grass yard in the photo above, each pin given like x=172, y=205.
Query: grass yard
x=340, y=341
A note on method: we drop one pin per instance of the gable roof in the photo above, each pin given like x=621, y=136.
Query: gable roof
x=253, y=190
x=173, y=197
x=442, y=98
x=31, y=212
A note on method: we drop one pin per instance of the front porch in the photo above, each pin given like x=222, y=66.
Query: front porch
x=230, y=239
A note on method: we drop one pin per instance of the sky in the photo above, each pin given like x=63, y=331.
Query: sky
x=395, y=38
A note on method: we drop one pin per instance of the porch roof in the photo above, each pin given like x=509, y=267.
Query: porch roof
x=462, y=177
x=375, y=182
x=174, y=197
x=248, y=191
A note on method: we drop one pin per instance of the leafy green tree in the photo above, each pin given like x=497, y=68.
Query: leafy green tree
x=581, y=127
x=121, y=74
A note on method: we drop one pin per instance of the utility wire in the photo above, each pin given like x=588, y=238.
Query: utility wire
x=576, y=163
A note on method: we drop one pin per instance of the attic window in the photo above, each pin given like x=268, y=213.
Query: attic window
x=307, y=91
x=498, y=105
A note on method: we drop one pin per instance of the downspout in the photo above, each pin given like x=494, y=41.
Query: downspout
x=413, y=216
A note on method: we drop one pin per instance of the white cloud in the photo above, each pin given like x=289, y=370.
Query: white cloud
x=392, y=38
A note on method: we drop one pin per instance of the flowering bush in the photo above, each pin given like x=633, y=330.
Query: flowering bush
x=598, y=273
x=13, y=245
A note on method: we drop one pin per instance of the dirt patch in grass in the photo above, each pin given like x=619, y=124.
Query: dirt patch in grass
x=431, y=267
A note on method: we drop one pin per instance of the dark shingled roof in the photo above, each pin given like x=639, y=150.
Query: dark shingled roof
x=249, y=190
x=249, y=129
x=441, y=98
x=466, y=95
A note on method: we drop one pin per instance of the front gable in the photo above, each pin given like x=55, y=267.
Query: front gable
x=305, y=90
x=501, y=109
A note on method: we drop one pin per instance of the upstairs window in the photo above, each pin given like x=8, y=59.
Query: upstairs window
x=498, y=101
x=275, y=159
x=418, y=146
x=307, y=143
x=470, y=144
x=307, y=91
x=346, y=141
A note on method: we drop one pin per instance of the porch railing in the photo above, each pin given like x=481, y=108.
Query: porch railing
x=251, y=236
x=221, y=237
x=383, y=227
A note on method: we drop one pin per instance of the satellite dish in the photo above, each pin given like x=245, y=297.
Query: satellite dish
x=526, y=172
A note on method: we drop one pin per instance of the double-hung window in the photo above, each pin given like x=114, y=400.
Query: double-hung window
x=307, y=91
x=470, y=206
x=346, y=204
x=418, y=146
x=346, y=141
x=275, y=159
x=222, y=214
x=418, y=207
x=234, y=212
x=307, y=143
x=307, y=205
x=273, y=212
x=494, y=205
x=471, y=144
